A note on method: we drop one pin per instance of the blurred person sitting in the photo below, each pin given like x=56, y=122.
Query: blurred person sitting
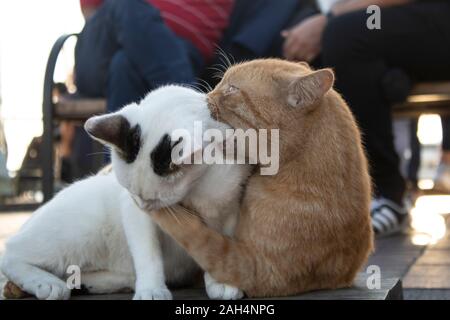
x=129, y=47
x=414, y=37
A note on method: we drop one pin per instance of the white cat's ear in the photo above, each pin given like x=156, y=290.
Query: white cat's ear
x=308, y=89
x=108, y=129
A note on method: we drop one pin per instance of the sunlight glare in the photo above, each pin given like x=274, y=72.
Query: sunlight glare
x=429, y=129
x=28, y=29
x=428, y=224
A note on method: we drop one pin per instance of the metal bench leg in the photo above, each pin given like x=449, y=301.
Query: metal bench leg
x=48, y=119
x=47, y=150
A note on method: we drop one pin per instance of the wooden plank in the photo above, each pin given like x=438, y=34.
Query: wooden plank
x=426, y=294
x=431, y=88
x=416, y=109
x=393, y=255
x=79, y=109
x=443, y=244
x=428, y=277
x=435, y=257
x=432, y=269
x=391, y=289
x=425, y=98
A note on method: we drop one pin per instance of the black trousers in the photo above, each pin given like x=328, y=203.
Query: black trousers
x=414, y=38
x=446, y=133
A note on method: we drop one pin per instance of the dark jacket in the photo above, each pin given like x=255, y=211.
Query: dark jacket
x=254, y=27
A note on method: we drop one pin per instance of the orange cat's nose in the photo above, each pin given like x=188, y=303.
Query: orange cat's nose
x=214, y=110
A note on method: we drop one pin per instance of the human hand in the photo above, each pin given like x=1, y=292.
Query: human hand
x=303, y=41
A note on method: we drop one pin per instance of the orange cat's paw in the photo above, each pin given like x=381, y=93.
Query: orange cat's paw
x=221, y=291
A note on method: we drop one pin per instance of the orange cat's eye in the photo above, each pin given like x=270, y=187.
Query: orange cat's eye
x=231, y=89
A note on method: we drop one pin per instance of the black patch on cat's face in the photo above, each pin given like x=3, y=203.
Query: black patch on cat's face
x=116, y=130
x=161, y=156
x=128, y=141
x=131, y=143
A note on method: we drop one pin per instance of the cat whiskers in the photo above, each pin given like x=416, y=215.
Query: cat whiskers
x=97, y=153
x=204, y=85
x=225, y=63
x=219, y=72
x=190, y=214
x=195, y=87
x=225, y=57
x=170, y=211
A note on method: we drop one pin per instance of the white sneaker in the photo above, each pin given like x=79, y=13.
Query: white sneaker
x=388, y=217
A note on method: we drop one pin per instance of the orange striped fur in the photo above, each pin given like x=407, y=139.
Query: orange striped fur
x=308, y=227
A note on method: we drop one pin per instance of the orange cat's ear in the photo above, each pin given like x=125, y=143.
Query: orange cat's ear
x=308, y=89
x=304, y=64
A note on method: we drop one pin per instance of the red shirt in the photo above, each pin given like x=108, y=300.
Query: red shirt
x=90, y=3
x=200, y=21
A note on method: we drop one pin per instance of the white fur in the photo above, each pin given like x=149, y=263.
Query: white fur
x=326, y=5
x=97, y=225
x=221, y=291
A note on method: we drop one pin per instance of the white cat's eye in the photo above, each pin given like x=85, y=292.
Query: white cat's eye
x=136, y=137
x=231, y=89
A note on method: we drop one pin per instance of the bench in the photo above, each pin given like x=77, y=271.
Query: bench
x=57, y=110
x=424, y=98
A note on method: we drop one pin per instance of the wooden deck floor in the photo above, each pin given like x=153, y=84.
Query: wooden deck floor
x=423, y=269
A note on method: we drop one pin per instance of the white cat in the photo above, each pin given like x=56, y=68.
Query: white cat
x=96, y=223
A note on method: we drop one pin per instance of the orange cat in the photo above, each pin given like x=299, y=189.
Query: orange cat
x=307, y=227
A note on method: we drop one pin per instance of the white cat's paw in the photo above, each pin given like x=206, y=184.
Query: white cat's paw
x=52, y=290
x=153, y=294
x=220, y=291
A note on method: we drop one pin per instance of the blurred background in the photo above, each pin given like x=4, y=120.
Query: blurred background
x=28, y=30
